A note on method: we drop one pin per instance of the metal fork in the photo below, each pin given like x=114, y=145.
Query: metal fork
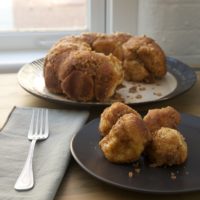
x=39, y=130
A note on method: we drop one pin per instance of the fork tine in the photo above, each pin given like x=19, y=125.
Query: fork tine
x=46, y=127
x=41, y=121
x=37, y=122
x=30, y=132
x=39, y=126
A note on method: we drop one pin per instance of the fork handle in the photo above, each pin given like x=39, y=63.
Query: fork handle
x=25, y=180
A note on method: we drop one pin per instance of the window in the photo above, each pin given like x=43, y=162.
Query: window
x=33, y=15
x=28, y=28
x=33, y=24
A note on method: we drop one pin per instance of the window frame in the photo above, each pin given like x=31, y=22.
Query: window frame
x=18, y=48
x=103, y=16
x=117, y=13
x=28, y=40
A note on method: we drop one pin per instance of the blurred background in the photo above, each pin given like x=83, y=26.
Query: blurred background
x=28, y=28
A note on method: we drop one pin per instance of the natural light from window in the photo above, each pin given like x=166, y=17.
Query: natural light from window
x=39, y=15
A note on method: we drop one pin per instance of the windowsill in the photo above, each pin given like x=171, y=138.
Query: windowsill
x=12, y=61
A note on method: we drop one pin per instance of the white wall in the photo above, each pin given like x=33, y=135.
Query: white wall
x=174, y=24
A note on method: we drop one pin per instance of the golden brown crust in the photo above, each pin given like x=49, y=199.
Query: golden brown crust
x=55, y=58
x=111, y=44
x=51, y=79
x=111, y=114
x=135, y=70
x=66, y=45
x=109, y=75
x=147, y=52
x=126, y=135
x=163, y=117
x=78, y=86
x=89, y=76
x=90, y=37
x=142, y=60
x=168, y=147
x=126, y=139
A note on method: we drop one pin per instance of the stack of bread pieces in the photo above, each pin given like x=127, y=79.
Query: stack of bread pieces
x=126, y=136
x=90, y=66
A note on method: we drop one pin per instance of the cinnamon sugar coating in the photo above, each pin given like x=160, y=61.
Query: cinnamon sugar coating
x=112, y=58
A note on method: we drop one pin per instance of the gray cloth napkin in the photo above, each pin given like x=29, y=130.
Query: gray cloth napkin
x=51, y=157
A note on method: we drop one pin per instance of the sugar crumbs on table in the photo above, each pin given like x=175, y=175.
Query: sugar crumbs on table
x=130, y=174
x=137, y=170
x=136, y=166
x=173, y=176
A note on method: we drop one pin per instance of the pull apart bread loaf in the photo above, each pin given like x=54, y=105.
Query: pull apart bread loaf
x=126, y=136
x=89, y=67
x=124, y=133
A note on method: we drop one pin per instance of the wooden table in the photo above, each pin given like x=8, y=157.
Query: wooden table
x=77, y=184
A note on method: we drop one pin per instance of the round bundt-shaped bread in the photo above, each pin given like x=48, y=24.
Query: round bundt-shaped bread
x=91, y=66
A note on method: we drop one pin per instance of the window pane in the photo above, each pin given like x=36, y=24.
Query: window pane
x=44, y=15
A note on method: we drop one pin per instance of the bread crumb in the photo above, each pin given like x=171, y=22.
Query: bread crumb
x=138, y=96
x=133, y=89
x=173, y=176
x=142, y=88
x=130, y=174
x=137, y=170
x=120, y=86
x=157, y=94
x=118, y=97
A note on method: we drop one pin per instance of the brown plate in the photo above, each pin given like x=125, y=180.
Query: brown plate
x=86, y=151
